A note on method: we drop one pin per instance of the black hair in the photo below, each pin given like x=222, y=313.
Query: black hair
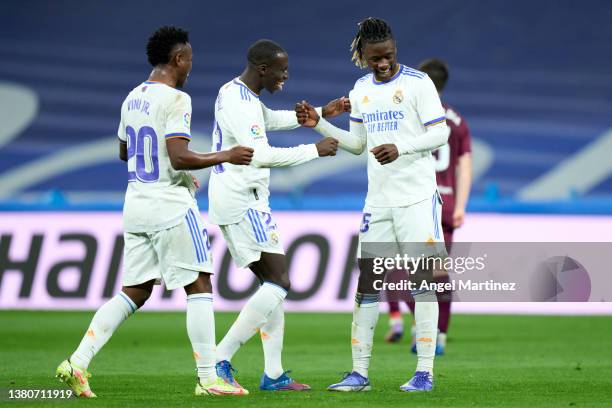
x=437, y=70
x=162, y=43
x=371, y=30
x=264, y=52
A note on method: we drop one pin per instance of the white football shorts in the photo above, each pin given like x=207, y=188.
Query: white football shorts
x=247, y=239
x=175, y=255
x=419, y=223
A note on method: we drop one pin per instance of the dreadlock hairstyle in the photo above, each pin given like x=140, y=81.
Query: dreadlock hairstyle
x=371, y=30
x=162, y=42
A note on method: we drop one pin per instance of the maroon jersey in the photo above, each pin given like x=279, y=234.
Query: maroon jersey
x=447, y=158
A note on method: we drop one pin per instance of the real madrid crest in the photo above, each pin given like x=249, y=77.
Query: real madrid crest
x=398, y=97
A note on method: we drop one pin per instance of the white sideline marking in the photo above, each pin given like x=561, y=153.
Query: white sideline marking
x=18, y=108
x=579, y=173
x=482, y=158
x=87, y=154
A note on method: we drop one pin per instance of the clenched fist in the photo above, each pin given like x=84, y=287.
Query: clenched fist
x=306, y=114
x=327, y=146
x=386, y=153
x=240, y=155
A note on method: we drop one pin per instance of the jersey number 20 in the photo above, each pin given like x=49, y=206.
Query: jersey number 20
x=143, y=145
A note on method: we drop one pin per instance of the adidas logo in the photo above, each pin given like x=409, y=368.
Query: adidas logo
x=365, y=99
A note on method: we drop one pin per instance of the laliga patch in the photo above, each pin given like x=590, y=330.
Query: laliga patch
x=398, y=97
x=274, y=237
x=256, y=131
x=187, y=119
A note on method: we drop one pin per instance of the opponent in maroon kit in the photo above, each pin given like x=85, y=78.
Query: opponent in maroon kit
x=454, y=177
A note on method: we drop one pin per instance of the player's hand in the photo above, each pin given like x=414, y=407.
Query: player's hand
x=327, y=146
x=240, y=155
x=195, y=180
x=458, y=217
x=306, y=114
x=386, y=153
x=337, y=107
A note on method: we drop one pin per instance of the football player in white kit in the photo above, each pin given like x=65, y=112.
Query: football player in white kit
x=397, y=114
x=238, y=198
x=165, y=236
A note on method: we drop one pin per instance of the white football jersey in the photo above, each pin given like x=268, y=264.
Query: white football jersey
x=391, y=112
x=242, y=119
x=157, y=196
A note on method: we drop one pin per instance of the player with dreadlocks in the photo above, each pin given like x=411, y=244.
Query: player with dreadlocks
x=397, y=114
x=454, y=177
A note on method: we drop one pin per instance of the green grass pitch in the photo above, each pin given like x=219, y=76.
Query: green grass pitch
x=492, y=361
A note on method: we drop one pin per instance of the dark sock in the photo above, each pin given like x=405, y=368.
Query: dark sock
x=444, y=304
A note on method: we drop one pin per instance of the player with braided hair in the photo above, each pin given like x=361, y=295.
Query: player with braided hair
x=454, y=177
x=371, y=30
x=396, y=112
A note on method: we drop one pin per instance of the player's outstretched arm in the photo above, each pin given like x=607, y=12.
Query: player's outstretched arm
x=248, y=128
x=278, y=119
x=431, y=140
x=286, y=120
x=267, y=156
x=181, y=158
x=430, y=110
x=353, y=141
x=435, y=137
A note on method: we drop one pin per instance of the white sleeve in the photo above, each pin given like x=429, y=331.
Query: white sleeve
x=353, y=141
x=178, y=118
x=121, y=131
x=432, y=117
x=436, y=136
x=355, y=115
x=281, y=119
x=427, y=102
x=246, y=124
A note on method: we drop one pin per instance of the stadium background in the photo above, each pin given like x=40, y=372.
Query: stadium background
x=533, y=80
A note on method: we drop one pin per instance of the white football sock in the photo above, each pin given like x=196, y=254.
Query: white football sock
x=426, y=322
x=441, y=339
x=201, y=332
x=104, y=323
x=272, y=333
x=365, y=317
x=254, y=314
